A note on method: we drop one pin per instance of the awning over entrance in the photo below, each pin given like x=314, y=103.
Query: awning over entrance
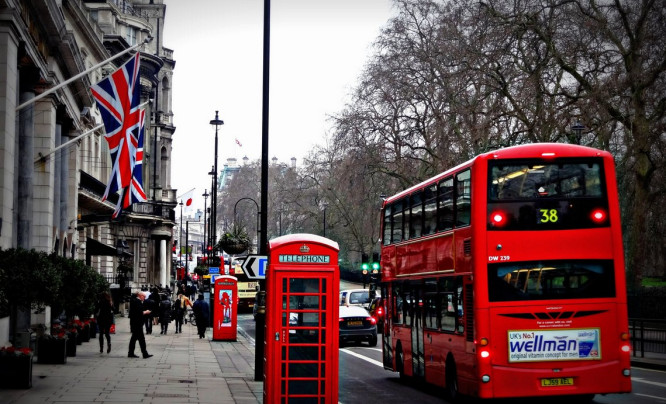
x=94, y=247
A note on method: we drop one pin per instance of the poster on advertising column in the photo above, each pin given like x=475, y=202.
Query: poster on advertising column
x=554, y=345
x=226, y=298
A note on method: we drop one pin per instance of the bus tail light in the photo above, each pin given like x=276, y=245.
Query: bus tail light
x=372, y=320
x=484, y=351
x=598, y=216
x=498, y=218
x=625, y=345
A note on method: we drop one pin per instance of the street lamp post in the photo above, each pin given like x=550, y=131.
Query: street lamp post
x=216, y=122
x=325, y=206
x=577, y=129
x=205, y=242
x=258, y=217
x=180, y=236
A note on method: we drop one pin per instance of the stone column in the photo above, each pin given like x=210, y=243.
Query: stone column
x=45, y=173
x=163, y=261
x=8, y=98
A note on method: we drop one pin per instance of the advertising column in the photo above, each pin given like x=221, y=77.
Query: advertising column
x=225, y=303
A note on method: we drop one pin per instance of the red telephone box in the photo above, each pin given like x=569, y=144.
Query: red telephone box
x=301, y=347
x=225, y=308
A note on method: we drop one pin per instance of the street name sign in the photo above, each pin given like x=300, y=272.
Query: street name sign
x=255, y=266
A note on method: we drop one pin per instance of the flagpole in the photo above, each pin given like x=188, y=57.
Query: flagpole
x=84, y=134
x=83, y=73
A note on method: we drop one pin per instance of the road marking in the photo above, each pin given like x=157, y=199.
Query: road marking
x=641, y=380
x=649, y=396
x=365, y=358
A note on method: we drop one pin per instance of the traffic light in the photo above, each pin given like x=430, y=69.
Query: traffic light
x=374, y=276
x=365, y=265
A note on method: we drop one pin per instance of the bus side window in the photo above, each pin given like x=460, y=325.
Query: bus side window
x=430, y=210
x=463, y=198
x=397, y=219
x=445, y=205
x=448, y=312
x=460, y=313
x=416, y=215
x=397, y=307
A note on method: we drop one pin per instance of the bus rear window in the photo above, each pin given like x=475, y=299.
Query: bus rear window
x=545, y=280
x=546, y=195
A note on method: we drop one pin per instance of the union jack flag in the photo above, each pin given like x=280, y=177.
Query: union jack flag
x=134, y=193
x=117, y=98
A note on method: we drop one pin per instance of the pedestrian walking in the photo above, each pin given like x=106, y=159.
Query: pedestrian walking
x=155, y=297
x=104, y=317
x=201, y=311
x=179, y=308
x=165, y=313
x=149, y=304
x=136, y=316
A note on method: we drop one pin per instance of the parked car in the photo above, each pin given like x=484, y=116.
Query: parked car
x=356, y=297
x=376, y=310
x=357, y=325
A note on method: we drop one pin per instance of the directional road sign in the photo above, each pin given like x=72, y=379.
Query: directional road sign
x=255, y=266
x=213, y=270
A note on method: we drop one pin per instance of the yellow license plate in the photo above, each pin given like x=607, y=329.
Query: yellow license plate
x=354, y=323
x=557, y=381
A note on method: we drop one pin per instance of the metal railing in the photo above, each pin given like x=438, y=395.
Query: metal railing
x=647, y=335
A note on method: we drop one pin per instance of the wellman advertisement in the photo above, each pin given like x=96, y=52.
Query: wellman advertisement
x=555, y=345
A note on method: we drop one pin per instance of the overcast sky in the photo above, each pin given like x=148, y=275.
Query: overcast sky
x=318, y=51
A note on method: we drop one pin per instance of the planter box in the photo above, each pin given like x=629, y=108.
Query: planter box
x=52, y=350
x=16, y=372
x=85, y=333
x=71, y=345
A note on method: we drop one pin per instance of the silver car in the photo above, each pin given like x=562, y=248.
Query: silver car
x=356, y=324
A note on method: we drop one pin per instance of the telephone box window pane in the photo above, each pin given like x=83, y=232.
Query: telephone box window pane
x=323, y=319
x=323, y=370
x=323, y=302
x=303, y=400
x=323, y=285
x=284, y=319
x=284, y=369
x=284, y=353
x=303, y=353
x=323, y=353
x=323, y=336
x=310, y=319
x=304, y=336
x=284, y=285
x=284, y=302
x=311, y=302
x=303, y=369
x=299, y=285
x=302, y=387
x=322, y=386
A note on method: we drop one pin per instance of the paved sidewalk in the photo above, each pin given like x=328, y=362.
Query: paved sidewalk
x=184, y=369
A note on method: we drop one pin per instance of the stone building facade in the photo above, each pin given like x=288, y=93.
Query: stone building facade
x=54, y=160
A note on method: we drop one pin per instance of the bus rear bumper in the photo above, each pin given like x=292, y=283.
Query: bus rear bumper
x=559, y=379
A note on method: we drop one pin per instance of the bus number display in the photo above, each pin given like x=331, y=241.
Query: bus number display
x=547, y=216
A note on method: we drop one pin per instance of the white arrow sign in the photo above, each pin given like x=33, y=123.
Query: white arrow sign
x=255, y=266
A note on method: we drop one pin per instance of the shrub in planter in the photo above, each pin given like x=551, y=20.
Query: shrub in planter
x=15, y=367
x=235, y=240
x=52, y=348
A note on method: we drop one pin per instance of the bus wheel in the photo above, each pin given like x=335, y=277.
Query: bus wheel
x=452, y=393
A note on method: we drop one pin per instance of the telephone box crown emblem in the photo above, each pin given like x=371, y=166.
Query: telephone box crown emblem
x=305, y=249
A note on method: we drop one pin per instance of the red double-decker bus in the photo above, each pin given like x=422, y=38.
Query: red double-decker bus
x=504, y=276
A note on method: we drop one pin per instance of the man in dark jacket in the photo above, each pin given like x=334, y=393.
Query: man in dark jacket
x=136, y=316
x=149, y=304
x=201, y=311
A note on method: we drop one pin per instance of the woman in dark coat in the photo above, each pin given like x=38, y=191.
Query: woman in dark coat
x=104, y=314
x=165, y=313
